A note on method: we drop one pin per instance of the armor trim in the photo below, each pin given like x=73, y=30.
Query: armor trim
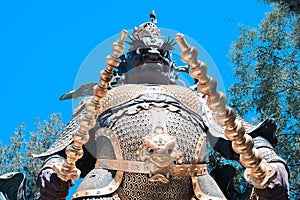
x=125, y=93
x=200, y=145
x=113, y=186
x=148, y=168
x=199, y=193
x=117, y=179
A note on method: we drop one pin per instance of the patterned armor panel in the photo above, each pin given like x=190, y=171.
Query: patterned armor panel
x=137, y=187
x=137, y=120
x=131, y=128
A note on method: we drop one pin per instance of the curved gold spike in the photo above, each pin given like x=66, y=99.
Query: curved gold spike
x=67, y=170
x=258, y=172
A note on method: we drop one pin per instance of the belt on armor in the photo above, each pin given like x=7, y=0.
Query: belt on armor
x=148, y=168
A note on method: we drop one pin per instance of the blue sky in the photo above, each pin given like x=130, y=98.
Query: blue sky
x=43, y=44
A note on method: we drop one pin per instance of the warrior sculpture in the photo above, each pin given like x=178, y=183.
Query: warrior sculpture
x=144, y=137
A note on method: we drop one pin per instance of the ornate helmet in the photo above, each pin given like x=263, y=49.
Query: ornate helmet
x=148, y=59
x=148, y=35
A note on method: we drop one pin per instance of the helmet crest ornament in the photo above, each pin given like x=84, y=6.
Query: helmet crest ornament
x=148, y=35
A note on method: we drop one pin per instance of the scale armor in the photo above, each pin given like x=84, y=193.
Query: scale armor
x=136, y=119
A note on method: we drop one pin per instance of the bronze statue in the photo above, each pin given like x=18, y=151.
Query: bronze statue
x=141, y=136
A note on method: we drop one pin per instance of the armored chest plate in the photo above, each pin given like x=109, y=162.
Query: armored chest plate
x=135, y=124
x=159, y=137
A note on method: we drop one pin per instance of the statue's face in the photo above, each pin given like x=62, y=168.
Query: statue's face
x=148, y=65
x=142, y=56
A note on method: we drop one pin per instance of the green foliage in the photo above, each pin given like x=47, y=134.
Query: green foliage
x=292, y=7
x=18, y=155
x=267, y=69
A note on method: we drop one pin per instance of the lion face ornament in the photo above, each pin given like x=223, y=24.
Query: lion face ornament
x=160, y=148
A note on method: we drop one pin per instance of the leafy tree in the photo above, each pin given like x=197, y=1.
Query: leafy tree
x=293, y=8
x=266, y=65
x=293, y=5
x=18, y=155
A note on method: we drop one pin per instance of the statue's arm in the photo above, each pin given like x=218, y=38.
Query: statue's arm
x=52, y=187
x=279, y=187
x=264, y=140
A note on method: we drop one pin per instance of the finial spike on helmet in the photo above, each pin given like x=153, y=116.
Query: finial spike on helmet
x=153, y=17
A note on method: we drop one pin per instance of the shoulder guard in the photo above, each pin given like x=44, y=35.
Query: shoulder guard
x=265, y=129
x=65, y=137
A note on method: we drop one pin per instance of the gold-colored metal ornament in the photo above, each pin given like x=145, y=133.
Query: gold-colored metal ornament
x=67, y=170
x=258, y=172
